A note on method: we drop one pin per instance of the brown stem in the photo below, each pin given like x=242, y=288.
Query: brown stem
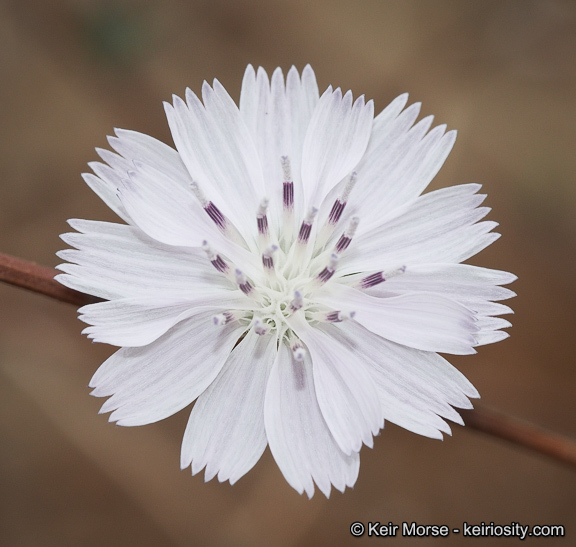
x=522, y=433
x=40, y=279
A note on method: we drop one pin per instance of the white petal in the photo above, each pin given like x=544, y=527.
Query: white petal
x=389, y=127
x=264, y=108
x=441, y=226
x=416, y=388
x=399, y=162
x=302, y=97
x=425, y=321
x=277, y=115
x=490, y=337
x=299, y=437
x=462, y=282
x=255, y=109
x=225, y=431
x=164, y=209
x=249, y=100
x=145, y=149
x=389, y=124
x=105, y=186
x=471, y=286
x=489, y=330
x=335, y=142
x=218, y=151
x=153, y=382
x=305, y=99
x=399, y=177
x=133, y=322
x=485, y=308
x=117, y=163
x=245, y=168
x=115, y=261
x=132, y=146
x=344, y=389
x=171, y=214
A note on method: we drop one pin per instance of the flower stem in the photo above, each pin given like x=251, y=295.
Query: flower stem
x=40, y=279
x=522, y=433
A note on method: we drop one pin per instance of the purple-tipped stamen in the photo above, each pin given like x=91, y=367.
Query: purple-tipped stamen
x=260, y=327
x=215, y=259
x=288, y=185
x=297, y=301
x=306, y=226
x=213, y=212
x=298, y=351
x=347, y=236
x=267, y=257
x=223, y=318
x=338, y=316
x=262, y=218
x=329, y=270
x=379, y=277
x=342, y=200
x=243, y=283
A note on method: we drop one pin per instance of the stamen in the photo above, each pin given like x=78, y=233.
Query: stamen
x=347, y=236
x=306, y=226
x=297, y=301
x=287, y=205
x=335, y=316
x=288, y=186
x=225, y=318
x=379, y=277
x=213, y=212
x=260, y=327
x=338, y=316
x=349, y=185
x=216, y=215
x=288, y=195
x=340, y=203
x=242, y=282
x=329, y=270
x=336, y=212
x=215, y=259
x=267, y=257
x=372, y=280
x=261, y=217
x=298, y=351
x=198, y=193
x=220, y=319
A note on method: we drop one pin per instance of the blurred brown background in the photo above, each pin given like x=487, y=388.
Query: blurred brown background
x=502, y=72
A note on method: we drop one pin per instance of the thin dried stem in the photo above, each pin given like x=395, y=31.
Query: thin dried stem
x=40, y=279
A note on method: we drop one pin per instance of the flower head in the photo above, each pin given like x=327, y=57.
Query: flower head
x=282, y=267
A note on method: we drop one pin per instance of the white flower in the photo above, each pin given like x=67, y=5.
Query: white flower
x=283, y=268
